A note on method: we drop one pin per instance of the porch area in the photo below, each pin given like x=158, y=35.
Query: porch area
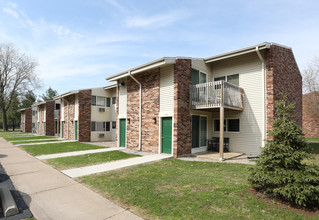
x=217, y=96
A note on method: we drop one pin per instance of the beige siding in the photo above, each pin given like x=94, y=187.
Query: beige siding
x=109, y=114
x=249, y=139
x=122, y=100
x=76, y=108
x=167, y=90
x=62, y=110
x=200, y=65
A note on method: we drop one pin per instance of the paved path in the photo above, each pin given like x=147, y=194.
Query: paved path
x=83, y=171
x=51, y=194
x=76, y=153
x=47, y=139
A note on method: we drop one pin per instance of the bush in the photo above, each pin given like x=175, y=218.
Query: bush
x=280, y=170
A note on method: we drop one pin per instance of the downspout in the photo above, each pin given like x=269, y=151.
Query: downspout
x=140, y=111
x=263, y=95
x=67, y=116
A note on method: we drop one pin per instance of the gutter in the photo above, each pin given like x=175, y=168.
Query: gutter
x=140, y=110
x=263, y=95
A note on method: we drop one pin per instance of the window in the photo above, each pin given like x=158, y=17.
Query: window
x=93, y=100
x=113, y=124
x=100, y=126
x=113, y=100
x=100, y=101
x=233, y=79
x=108, y=102
x=34, y=113
x=230, y=125
x=198, y=77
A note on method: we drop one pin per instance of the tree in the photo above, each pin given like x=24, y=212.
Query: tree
x=49, y=94
x=17, y=75
x=281, y=170
x=28, y=99
x=311, y=85
x=13, y=114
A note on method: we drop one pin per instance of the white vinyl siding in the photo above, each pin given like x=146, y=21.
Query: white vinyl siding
x=76, y=108
x=249, y=139
x=167, y=90
x=122, y=100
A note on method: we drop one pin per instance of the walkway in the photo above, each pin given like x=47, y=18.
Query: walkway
x=83, y=171
x=50, y=142
x=52, y=195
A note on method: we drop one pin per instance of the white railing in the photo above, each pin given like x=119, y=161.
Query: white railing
x=56, y=114
x=211, y=95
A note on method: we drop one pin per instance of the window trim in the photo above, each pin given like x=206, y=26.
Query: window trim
x=227, y=124
x=226, y=78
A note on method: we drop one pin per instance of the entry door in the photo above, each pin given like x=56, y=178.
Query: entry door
x=76, y=130
x=62, y=129
x=122, y=132
x=167, y=135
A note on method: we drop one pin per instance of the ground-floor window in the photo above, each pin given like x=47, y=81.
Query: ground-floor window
x=230, y=125
x=100, y=126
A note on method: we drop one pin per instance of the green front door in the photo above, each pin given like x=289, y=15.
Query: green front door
x=62, y=129
x=122, y=132
x=76, y=130
x=167, y=135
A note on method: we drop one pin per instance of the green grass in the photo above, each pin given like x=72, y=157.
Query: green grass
x=314, y=149
x=36, y=150
x=312, y=139
x=175, y=189
x=19, y=138
x=88, y=159
x=29, y=142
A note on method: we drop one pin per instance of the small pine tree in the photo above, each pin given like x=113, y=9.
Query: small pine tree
x=280, y=170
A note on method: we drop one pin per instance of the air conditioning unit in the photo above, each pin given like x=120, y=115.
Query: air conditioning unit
x=101, y=109
x=101, y=135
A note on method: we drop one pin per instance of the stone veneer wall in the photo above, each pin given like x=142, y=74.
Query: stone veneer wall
x=41, y=109
x=310, y=115
x=49, y=125
x=69, y=122
x=150, y=109
x=182, y=136
x=282, y=76
x=28, y=120
x=84, y=124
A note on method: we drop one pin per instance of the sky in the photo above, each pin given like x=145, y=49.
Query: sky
x=78, y=43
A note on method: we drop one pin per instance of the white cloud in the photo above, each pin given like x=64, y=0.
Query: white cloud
x=116, y=4
x=11, y=12
x=155, y=20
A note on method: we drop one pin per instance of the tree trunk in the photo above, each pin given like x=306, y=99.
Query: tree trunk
x=13, y=124
x=4, y=120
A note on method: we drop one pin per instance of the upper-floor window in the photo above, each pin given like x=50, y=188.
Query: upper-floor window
x=113, y=100
x=198, y=77
x=100, y=126
x=34, y=113
x=101, y=101
x=233, y=79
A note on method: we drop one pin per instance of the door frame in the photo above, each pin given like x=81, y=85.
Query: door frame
x=160, y=125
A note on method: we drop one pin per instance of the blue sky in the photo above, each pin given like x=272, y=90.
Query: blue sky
x=79, y=43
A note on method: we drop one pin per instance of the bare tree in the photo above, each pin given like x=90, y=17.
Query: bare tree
x=17, y=75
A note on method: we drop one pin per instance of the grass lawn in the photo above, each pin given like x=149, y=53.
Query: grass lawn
x=36, y=150
x=314, y=149
x=88, y=159
x=29, y=142
x=176, y=189
x=19, y=138
x=312, y=139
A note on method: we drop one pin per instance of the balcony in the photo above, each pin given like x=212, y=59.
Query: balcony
x=56, y=114
x=215, y=95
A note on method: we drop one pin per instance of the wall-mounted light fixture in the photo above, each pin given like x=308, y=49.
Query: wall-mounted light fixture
x=129, y=121
x=154, y=120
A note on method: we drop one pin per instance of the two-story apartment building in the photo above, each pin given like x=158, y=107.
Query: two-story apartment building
x=26, y=119
x=88, y=114
x=175, y=104
x=47, y=117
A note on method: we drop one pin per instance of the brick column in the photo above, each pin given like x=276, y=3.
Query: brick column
x=28, y=120
x=49, y=120
x=182, y=136
x=85, y=115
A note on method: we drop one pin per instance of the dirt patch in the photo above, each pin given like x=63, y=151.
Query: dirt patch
x=310, y=212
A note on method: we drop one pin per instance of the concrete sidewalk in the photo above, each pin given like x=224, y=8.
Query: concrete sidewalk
x=88, y=170
x=51, y=194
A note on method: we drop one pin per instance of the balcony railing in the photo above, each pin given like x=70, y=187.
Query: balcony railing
x=56, y=114
x=214, y=94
